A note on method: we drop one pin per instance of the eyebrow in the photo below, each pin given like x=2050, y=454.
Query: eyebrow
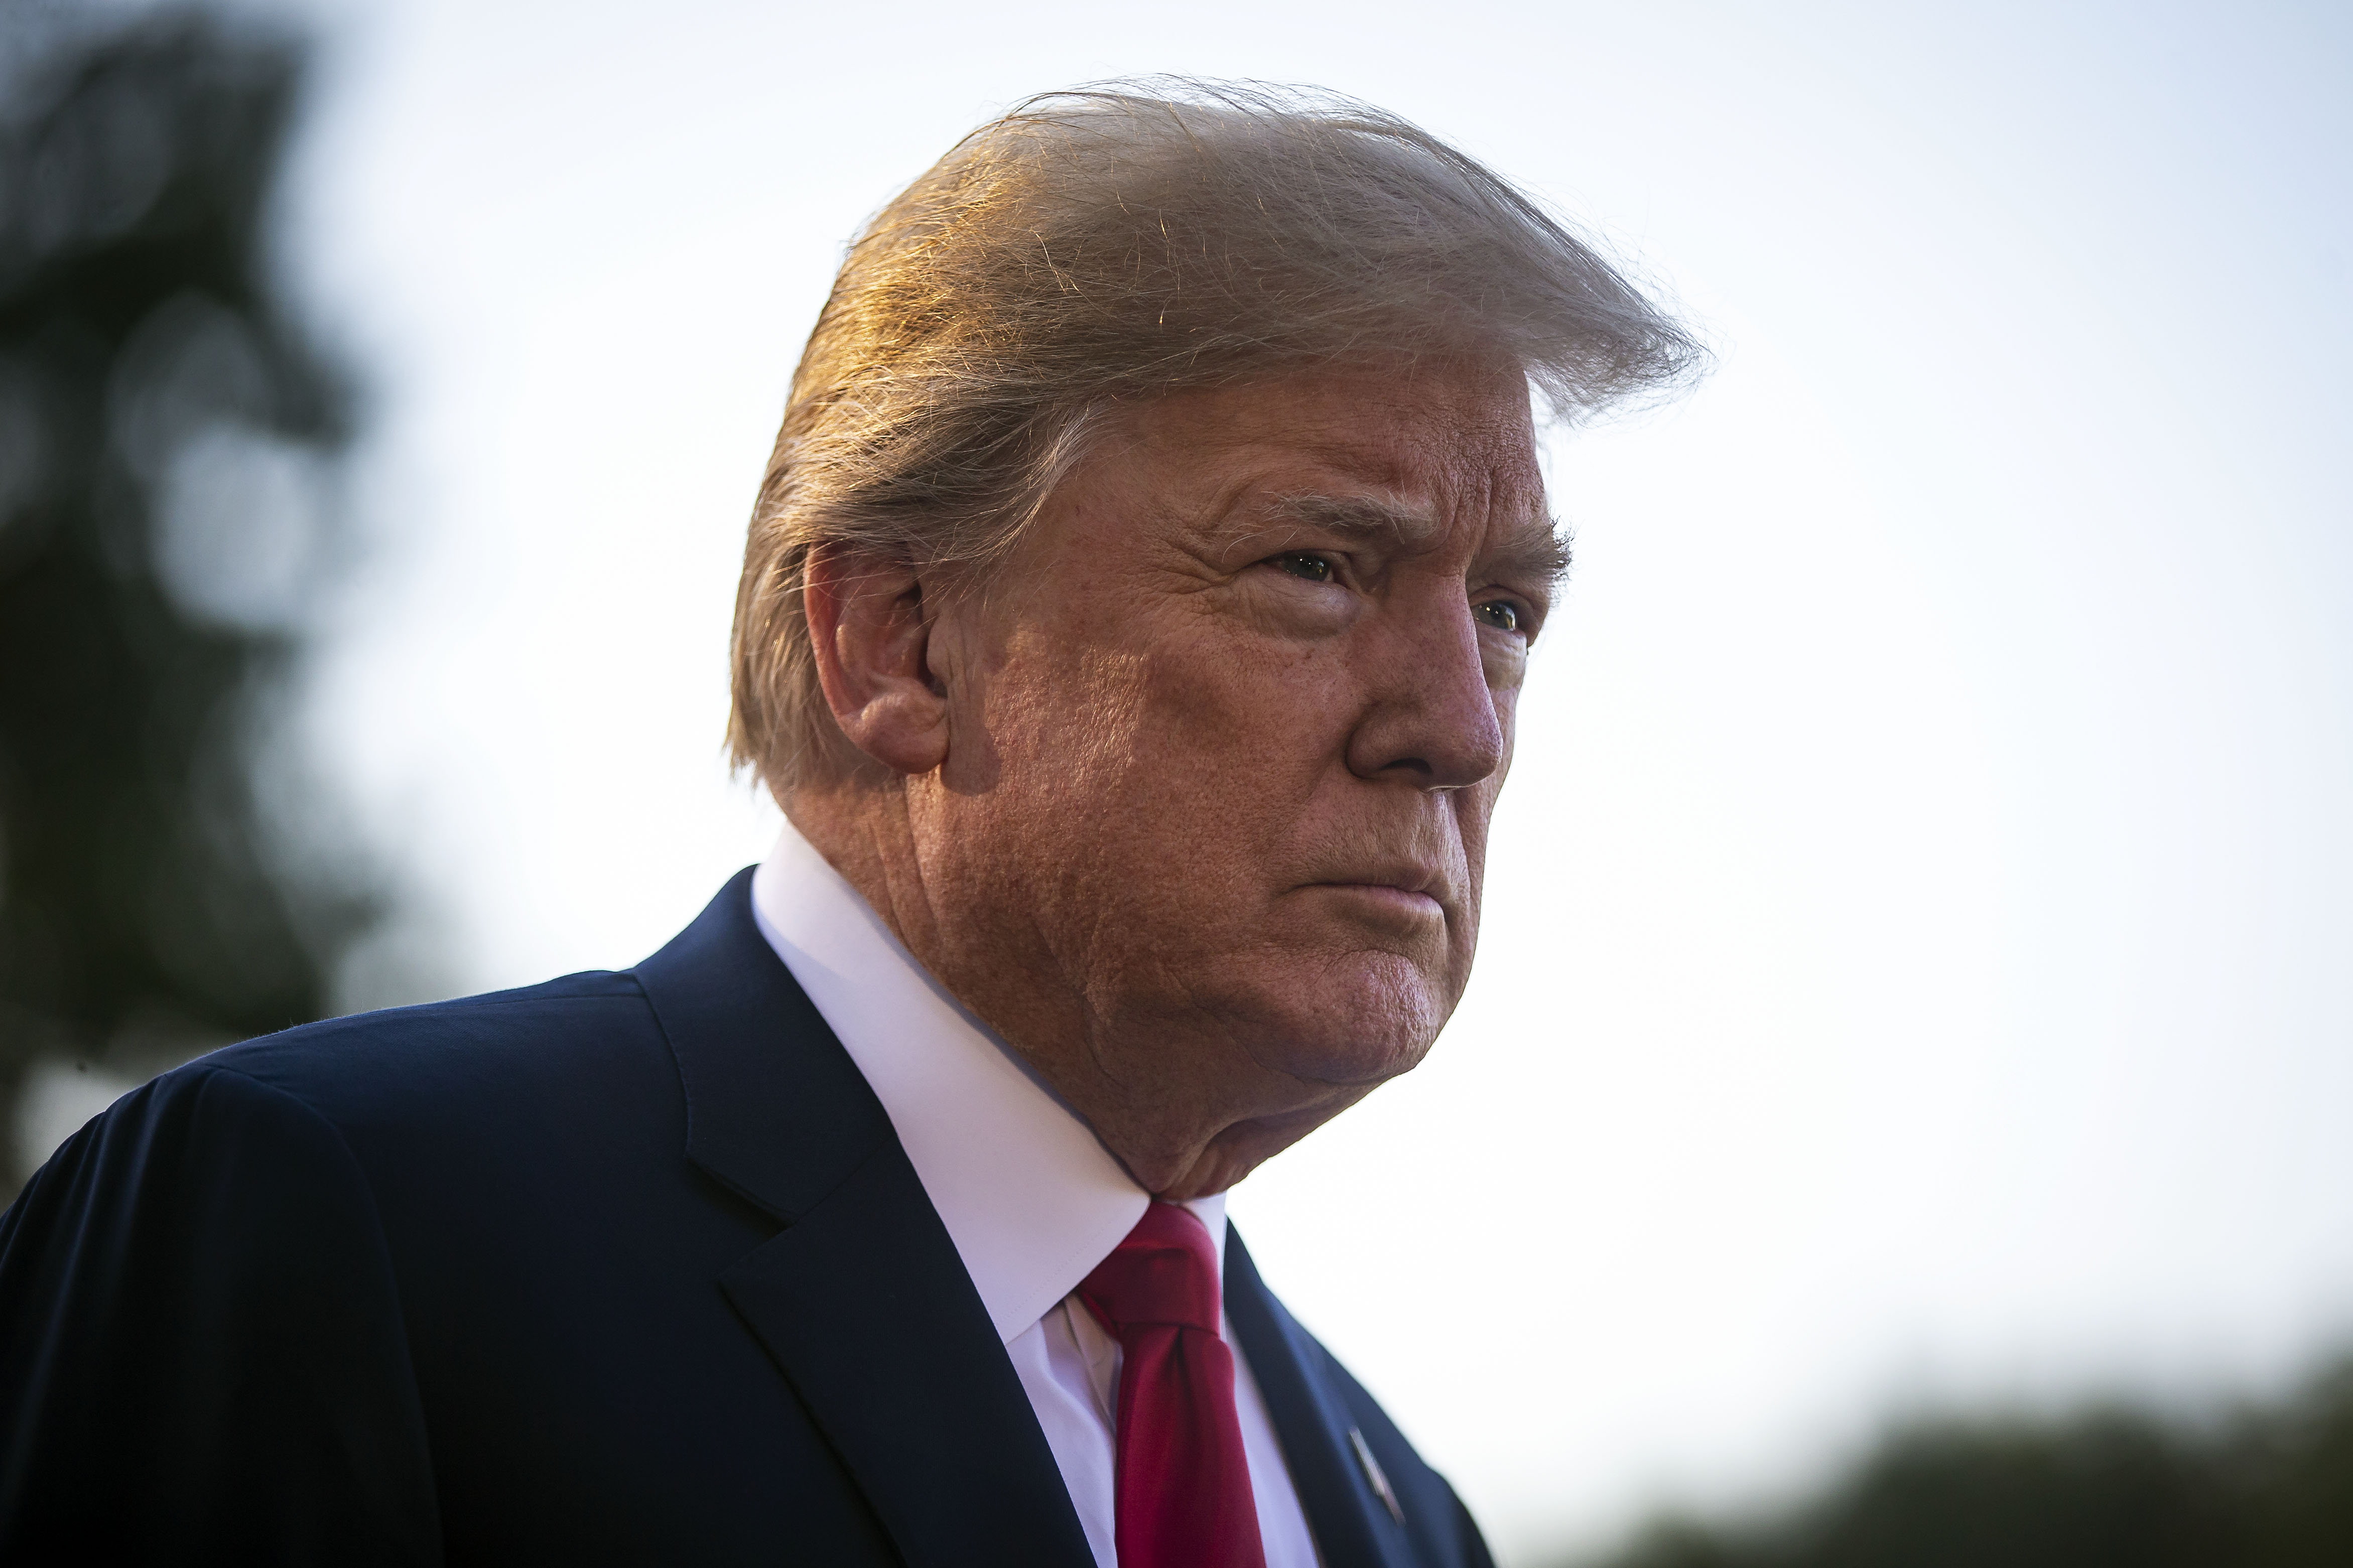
x=1535, y=547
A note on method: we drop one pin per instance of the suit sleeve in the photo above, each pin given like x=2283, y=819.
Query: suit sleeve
x=202, y=1353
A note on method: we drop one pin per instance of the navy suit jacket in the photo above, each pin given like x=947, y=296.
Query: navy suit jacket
x=626, y=1267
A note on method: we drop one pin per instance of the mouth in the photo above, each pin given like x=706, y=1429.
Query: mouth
x=1405, y=902
x=1405, y=895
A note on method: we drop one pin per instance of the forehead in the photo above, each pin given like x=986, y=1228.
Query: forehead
x=1438, y=466
x=1440, y=441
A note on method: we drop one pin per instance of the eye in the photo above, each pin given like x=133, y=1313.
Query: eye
x=1499, y=614
x=1306, y=567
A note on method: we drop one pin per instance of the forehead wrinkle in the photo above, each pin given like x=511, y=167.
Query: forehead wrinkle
x=1360, y=516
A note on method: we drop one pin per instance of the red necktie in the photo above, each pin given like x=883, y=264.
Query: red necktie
x=1182, y=1484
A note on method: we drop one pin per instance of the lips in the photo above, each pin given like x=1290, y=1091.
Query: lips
x=1403, y=891
x=1401, y=875
x=1404, y=901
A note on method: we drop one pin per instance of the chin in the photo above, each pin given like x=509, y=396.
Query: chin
x=1376, y=1019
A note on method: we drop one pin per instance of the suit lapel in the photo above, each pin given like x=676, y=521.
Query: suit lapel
x=1349, y=1521
x=862, y=1301
x=893, y=1354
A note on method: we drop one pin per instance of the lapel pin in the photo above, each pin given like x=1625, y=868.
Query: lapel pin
x=1374, y=1474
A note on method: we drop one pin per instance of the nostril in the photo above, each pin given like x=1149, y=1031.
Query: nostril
x=1424, y=775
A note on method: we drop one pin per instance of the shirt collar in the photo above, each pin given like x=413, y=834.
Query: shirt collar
x=1028, y=1196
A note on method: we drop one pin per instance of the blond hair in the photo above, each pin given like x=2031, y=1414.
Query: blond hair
x=1111, y=244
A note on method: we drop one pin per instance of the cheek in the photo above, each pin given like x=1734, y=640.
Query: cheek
x=1267, y=707
x=1190, y=749
x=1072, y=791
x=1152, y=800
x=1112, y=805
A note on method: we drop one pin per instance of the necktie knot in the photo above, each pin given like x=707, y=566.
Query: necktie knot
x=1165, y=1272
x=1183, y=1482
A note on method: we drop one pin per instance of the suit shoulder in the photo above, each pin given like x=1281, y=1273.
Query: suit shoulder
x=582, y=1037
x=568, y=994
x=510, y=1028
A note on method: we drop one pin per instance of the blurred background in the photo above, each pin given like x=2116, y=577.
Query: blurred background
x=1901, y=1115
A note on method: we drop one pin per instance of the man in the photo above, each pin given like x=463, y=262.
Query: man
x=1131, y=627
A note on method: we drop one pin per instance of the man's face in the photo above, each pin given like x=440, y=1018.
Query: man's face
x=1226, y=731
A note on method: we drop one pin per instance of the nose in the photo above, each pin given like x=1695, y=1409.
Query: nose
x=1431, y=720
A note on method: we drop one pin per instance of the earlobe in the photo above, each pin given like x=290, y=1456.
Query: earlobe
x=873, y=641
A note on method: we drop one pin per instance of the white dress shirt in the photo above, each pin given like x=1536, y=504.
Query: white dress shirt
x=1031, y=1201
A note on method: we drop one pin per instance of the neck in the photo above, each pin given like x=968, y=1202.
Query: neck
x=1177, y=1101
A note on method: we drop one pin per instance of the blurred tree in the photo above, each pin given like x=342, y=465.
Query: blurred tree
x=167, y=440
x=2270, y=1488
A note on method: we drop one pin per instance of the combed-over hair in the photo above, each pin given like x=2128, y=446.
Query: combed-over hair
x=1113, y=244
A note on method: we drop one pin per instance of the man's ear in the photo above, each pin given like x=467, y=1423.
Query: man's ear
x=872, y=643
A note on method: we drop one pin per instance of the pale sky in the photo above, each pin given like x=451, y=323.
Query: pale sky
x=1917, y=963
